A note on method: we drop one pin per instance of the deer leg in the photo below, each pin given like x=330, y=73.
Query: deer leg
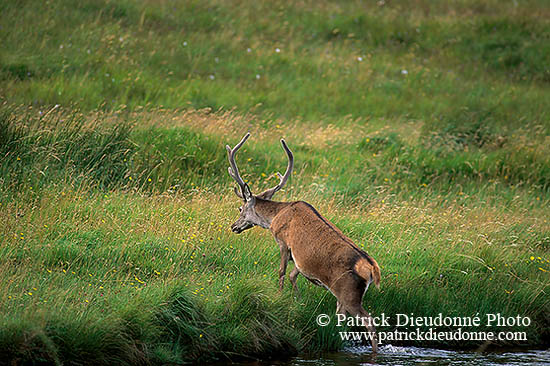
x=285, y=254
x=293, y=277
x=358, y=310
x=349, y=291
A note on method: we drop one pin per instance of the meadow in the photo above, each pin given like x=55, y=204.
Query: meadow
x=421, y=129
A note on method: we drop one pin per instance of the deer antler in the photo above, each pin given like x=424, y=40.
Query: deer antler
x=233, y=170
x=283, y=178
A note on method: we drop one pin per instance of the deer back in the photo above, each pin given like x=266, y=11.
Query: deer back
x=318, y=248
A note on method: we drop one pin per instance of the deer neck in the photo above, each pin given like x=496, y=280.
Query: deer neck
x=267, y=210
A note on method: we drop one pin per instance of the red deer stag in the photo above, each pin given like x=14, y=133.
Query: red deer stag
x=319, y=250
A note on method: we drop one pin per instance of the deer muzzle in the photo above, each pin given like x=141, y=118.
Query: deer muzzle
x=238, y=227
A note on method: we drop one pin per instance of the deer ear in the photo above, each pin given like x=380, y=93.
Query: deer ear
x=247, y=194
x=238, y=193
x=266, y=195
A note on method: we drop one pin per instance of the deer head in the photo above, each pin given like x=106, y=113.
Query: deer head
x=249, y=217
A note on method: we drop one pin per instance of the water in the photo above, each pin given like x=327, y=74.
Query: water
x=406, y=356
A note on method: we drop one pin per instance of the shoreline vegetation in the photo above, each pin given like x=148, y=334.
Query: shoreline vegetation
x=421, y=130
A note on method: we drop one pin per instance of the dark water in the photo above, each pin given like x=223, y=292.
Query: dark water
x=405, y=356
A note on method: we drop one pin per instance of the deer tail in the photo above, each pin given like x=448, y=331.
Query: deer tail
x=369, y=270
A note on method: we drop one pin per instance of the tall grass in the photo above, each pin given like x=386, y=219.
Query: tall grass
x=60, y=147
x=107, y=151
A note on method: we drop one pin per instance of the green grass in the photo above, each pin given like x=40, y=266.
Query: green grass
x=116, y=204
x=490, y=59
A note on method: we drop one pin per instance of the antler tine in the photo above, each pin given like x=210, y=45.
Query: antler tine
x=289, y=167
x=233, y=170
x=283, y=178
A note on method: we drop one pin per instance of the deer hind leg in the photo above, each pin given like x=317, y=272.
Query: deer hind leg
x=349, y=292
x=285, y=255
x=358, y=310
